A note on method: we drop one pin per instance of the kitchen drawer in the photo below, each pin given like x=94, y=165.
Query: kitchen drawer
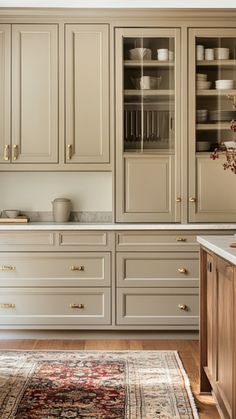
x=55, y=269
x=157, y=306
x=152, y=240
x=158, y=269
x=84, y=240
x=28, y=240
x=47, y=306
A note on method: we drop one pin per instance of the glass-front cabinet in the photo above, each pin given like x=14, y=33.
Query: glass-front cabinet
x=147, y=125
x=212, y=107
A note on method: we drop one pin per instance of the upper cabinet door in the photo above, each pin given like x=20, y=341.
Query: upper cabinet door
x=35, y=93
x=5, y=89
x=148, y=125
x=212, y=90
x=87, y=94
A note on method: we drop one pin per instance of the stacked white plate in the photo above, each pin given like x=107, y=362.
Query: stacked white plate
x=201, y=81
x=224, y=84
x=201, y=115
x=221, y=53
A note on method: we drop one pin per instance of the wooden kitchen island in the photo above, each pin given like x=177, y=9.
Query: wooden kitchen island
x=218, y=321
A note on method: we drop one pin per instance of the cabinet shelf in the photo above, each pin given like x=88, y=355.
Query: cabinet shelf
x=148, y=63
x=213, y=126
x=148, y=93
x=216, y=63
x=215, y=92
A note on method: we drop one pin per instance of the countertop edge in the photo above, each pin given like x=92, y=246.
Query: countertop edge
x=219, y=250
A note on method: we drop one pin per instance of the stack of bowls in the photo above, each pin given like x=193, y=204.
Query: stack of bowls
x=221, y=53
x=224, y=84
x=203, y=145
x=202, y=83
x=201, y=115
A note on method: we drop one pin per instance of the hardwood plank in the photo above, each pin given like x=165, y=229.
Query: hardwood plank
x=188, y=351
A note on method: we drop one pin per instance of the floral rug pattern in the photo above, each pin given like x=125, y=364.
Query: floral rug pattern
x=94, y=385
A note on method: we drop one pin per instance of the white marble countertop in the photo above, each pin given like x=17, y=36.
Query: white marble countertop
x=220, y=245
x=114, y=227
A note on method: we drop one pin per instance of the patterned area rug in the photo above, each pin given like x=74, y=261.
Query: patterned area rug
x=94, y=385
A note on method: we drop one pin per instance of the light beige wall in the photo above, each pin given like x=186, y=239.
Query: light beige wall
x=35, y=191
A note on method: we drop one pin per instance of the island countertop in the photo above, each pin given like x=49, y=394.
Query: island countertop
x=220, y=245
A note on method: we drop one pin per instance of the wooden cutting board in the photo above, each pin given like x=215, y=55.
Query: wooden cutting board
x=17, y=220
x=232, y=245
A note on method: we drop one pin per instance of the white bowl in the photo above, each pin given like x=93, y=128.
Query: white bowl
x=203, y=85
x=203, y=145
x=221, y=53
x=12, y=213
x=230, y=144
x=140, y=54
x=201, y=77
x=146, y=82
x=224, y=84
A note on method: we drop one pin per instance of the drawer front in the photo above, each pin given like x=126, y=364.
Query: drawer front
x=28, y=240
x=151, y=240
x=70, y=240
x=157, y=269
x=160, y=306
x=55, y=307
x=55, y=269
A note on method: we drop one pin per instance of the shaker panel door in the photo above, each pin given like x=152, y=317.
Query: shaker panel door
x=35, y=93
x=5, y=102
x=87, y=94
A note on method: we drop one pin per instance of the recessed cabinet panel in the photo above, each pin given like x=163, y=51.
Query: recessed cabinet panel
x=87, y=94
x=5, y=89
x=34, y=93
x=215, y=200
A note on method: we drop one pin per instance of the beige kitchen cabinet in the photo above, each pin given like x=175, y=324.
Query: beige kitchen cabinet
x=217, y=343
x=34, y=94
x=87, y=94
x=210, y=113
x=5, y=89
x=147, y=125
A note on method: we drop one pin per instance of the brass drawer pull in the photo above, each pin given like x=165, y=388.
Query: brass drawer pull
x=69, y=151
x=178, y=199
x=7, y=268
x=7, y=305
x=192, y=199
x=6, y=155
x=183, y=307
x=181, y=239
x=77, y=306
x=77, y=268
x=15, y=152
x=182, y=270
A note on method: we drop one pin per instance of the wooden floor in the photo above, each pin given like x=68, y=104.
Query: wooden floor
x=188, y=351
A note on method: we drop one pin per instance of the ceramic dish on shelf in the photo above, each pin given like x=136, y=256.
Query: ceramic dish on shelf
x=203, y=85
x=221, y=53
x=146, y=82
x=203, y=145
x=140, y=54
x=201, y=77
x=230, y=144
x=201, y=115
x=224, y=84
x=222, y=115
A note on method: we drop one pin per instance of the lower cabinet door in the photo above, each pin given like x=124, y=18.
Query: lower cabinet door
x=157, y=306
x=47, y=306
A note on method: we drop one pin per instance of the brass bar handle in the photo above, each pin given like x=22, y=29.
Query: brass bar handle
x=7, y=305
x=7, y=268
x=80, y=306
x=181, y=239
x=192, y=199
x=15, y=152
x=183, y=307
x=77, y=268
x=6, y=155
x=69, y=151
x=178, y=199
x=182, y=270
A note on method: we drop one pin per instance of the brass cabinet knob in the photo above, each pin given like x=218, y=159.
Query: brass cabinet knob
x=15, y=152
x=192, y=199
x=77, y=268
x=181, y=239
x=7, y=305
x=183, y=307
x=7, y=268
x=6, y=155
x=77, y=306
x=69, y=151
x=182, y=270
x=178, y=199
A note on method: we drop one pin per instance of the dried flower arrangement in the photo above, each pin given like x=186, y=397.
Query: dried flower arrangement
x=230, y=153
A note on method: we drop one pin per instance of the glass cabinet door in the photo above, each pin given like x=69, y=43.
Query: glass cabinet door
x=212, y=100
x=147, y=94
